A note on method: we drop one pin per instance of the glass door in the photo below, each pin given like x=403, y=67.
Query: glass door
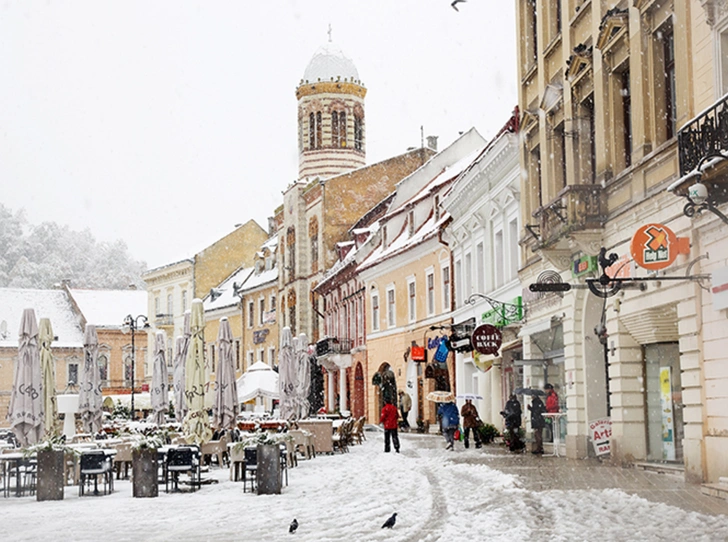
x=663, y=402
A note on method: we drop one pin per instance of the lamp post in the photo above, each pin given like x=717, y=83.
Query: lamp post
x=132, y=324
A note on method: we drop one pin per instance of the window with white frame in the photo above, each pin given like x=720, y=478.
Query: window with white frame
x=170, y=304
x=73, y=373
x=513, y=247
x=468, y=276
x=261, y=316
x=722, y=58
x=391, y=308
x=251, y=358
x=375, y=312
x=251, y=313
x=480, y=267
x=412, y=300
x=157, y=306
x=430, y=293
x=458, y=283
x=498, y=258
x=261, y=355
x=272, y=355
x=446, y=281
x=184, y=301
x=237, y=354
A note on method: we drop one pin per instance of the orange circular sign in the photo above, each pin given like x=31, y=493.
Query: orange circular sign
x=654, y=246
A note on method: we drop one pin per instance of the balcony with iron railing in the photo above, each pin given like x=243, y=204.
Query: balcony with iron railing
x=576, y=208
x=164, y=320
x=333, y=345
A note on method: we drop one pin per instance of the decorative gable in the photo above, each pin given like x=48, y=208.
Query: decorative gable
x=613, y=22
x=579, y=61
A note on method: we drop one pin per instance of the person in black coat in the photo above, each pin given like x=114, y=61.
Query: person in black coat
x=538, y=422
x=512, y=414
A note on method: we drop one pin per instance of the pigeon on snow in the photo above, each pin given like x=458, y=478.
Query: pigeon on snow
x=293, y=527
x=390, y=522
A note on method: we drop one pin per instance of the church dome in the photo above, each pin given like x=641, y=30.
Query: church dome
x=329, y=62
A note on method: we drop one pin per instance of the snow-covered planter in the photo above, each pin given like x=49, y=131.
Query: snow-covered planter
x=51, y=457
x=144, y=467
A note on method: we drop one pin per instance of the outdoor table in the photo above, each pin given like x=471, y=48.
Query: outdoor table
x=555, y=431
x=6, y=446
x=322, y=431
x=266, y=425
x=14, y=458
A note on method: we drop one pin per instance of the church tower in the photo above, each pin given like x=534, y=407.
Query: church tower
x=330, y=115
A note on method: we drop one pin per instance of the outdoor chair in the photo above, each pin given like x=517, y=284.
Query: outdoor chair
x=358, y=431
x=179, y=460
x=251, y=468
x=339, y=439
x=122, y=459
x=302, y=442
x=237, y=464
x=20, y=474
x=215, y=448
x=95, y=463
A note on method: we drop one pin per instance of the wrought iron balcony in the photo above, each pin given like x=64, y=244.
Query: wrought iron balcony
x=706, y=134
x=333, y=345
x=164, y=320
x=576, y=208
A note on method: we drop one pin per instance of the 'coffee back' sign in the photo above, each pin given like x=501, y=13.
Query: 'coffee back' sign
x=487, y=339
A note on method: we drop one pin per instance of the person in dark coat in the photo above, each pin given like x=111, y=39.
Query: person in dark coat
x=512, y=414
x=390, y=421
x=449, y=421
x=538, y=422
x=470, y=422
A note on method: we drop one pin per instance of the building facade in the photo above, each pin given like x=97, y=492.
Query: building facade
x=605, y=89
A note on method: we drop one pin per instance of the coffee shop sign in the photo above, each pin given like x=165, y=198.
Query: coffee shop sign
x=487, y=339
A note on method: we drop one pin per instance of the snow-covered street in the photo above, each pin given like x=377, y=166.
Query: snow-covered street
x=438, y=495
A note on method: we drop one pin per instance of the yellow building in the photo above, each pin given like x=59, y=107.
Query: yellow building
x=408, y=281
x=605, y=88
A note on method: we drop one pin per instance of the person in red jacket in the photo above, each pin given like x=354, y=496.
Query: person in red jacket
x=552, y=399
x=390, y=420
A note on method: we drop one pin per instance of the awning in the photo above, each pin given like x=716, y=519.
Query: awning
x=538, y=326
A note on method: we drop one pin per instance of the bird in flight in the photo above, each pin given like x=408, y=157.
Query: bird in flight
x=390, y=522
x=455, y=3
x=293, y=527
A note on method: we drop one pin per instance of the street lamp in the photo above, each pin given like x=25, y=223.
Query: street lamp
x=132, y=324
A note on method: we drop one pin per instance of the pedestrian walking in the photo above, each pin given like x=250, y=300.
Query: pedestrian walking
x=471, y=421
x=390, y=420
x=449, y=421
x=512, y=414
x=405, y=405
x=538, y=422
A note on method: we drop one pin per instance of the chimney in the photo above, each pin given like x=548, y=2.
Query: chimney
x=432, y=142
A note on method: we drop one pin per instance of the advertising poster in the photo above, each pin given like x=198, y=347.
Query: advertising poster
x=668, y=419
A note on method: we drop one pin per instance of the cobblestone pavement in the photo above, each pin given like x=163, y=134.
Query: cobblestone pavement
x=542, y=473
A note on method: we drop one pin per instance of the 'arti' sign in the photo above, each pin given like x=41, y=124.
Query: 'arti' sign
x=487, y=339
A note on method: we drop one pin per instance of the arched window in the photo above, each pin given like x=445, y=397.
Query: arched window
x=319, y=130
x=358, y=133
x=103, y=362
x=311, y=131
x=291, y=244
x=292, y=311
x=342, y=129
x=313, y=236
x=335, y=129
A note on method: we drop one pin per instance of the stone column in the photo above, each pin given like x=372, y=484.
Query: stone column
x=331, y=403
x=343, y=403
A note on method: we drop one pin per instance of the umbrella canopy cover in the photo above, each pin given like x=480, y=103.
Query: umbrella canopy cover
x=196, y=425
x=89, y=386
x=258, y=381
x=182, y=346
x=529, y=391
x=440, y=397
x=470, y=396
x=160, y=398
x=287, y=375
x=226, y=390
x=303, y=377
x=26, y=399
x=47, y=367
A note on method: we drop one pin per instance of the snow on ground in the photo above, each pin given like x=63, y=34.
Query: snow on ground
x=349, y=496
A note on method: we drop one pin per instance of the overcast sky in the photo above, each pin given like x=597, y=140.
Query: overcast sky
x=165, y=123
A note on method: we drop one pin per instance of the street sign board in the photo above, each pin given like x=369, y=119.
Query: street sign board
x=487, y=339
x=655, y=246
x=550, y=287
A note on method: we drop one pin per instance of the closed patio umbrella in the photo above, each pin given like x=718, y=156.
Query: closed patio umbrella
x=303, y=380
x=182, y=346
x=26, y=399
x=287, y=376
x=160, y=400
x=48, y=371
x=196, y=426
x=89, y=392
x=226, y=390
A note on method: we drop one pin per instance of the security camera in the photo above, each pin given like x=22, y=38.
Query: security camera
x=698, y=193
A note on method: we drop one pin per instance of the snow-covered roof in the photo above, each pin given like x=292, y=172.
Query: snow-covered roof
x=107, y=308
x=53, y=304
x=258, y=279
x=329, y=61
x=227, y=297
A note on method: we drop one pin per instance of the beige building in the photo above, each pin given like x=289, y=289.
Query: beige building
x=408, y=281
x=605, y=88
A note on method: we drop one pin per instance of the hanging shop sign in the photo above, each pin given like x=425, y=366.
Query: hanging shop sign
x=482, y=362
x=417, y=353
x=505, y=313
x=601, y=435
x=487, y=339
x=655, y=246
x=582, y=266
